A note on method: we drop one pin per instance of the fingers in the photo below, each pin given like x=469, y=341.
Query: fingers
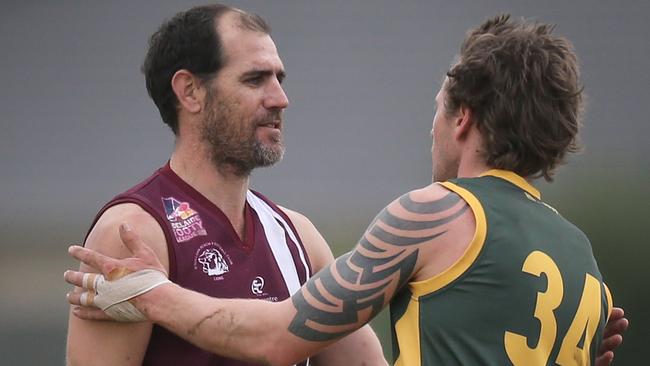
x=617, y=313
x=74, y=278
x=89, y=313
x=145, y=256
x=90, y=281
x=618, y=326
x=87, y=298
x=610, y=344
x=92, y=258
x=117, y=273
x=133, y=242
x=84, y=298
x=604, y=359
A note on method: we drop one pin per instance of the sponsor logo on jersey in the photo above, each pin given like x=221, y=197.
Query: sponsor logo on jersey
x=257, y=288
x=185, y=222
x=212, y=260
x=257, y=285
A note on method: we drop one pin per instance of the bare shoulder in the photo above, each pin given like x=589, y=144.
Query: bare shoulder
x=296, y=217
x=440, y=214
x=423, y=205
x=104, y=236
x=429, y=200
x=319, y=252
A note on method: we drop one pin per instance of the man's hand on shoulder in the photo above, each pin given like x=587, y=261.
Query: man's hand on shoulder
x=105, y=238
x=104, y=342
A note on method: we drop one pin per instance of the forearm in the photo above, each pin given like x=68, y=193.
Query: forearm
x=251, y=330
x=358, y=348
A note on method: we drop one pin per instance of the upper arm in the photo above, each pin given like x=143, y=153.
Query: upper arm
x=403, y=241
x=111, y=343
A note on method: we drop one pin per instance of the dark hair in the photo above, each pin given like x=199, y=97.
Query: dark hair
x=188, y=41
x=522, y=85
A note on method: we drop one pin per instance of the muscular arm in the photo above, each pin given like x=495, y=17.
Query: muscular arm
x=358, y=348
x=406, y=239
x=111, y=343
x=338, y=300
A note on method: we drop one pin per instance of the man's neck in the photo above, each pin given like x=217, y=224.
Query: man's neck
x=472, y=168
x=472, y=162
x=223, y=188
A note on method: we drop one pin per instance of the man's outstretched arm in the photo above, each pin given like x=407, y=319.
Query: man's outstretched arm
x=336, y=301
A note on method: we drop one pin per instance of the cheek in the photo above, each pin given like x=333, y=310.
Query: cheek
x=440, y=130
x=435, y=133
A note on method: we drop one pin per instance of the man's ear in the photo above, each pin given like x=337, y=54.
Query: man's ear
x=189, y=91
x=463, y=122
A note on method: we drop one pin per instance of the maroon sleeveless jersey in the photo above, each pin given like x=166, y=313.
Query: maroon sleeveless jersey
x=206, y=255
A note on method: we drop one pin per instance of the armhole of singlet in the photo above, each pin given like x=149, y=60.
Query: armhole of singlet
x=171, y=256
x=610, y=301
x=444, y=278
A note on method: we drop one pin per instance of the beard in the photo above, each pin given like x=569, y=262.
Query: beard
x=232, y=138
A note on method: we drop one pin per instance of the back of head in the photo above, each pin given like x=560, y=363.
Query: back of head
x=188, y=41
x=521, y=83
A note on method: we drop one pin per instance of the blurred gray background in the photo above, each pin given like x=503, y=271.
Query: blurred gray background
x=78, y=128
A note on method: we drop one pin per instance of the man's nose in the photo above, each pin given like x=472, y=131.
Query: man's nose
x=276, y=97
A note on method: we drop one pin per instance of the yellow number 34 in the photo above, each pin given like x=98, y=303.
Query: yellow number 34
x=584, y=323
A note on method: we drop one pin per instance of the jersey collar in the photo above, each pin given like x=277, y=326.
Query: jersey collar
x=515, y=179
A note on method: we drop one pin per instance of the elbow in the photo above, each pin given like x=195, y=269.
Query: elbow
x=278, y=357
x=278, y=347
x=275, y=351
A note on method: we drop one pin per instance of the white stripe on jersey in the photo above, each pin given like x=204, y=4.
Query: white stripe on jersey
x=295, y=240
x=275, y=235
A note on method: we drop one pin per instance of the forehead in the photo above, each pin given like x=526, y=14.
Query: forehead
x=441, y=91
x=246, y=49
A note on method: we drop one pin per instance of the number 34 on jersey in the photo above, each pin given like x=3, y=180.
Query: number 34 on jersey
x=583, y=327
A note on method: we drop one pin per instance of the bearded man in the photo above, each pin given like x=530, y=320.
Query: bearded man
x=215, y=75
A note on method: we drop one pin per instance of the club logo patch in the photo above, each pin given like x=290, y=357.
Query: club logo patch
x=212, y=260
x=186, y=223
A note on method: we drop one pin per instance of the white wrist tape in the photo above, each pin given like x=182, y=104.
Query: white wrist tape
x=112, y=296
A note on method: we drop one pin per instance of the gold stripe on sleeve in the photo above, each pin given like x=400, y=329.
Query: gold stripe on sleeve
x=445, y=277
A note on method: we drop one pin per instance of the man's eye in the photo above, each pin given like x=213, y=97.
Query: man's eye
x=255, y=80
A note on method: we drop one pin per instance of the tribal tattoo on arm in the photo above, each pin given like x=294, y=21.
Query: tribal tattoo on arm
x=351, y=291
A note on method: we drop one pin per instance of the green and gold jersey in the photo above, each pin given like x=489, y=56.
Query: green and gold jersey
x=527, y=291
